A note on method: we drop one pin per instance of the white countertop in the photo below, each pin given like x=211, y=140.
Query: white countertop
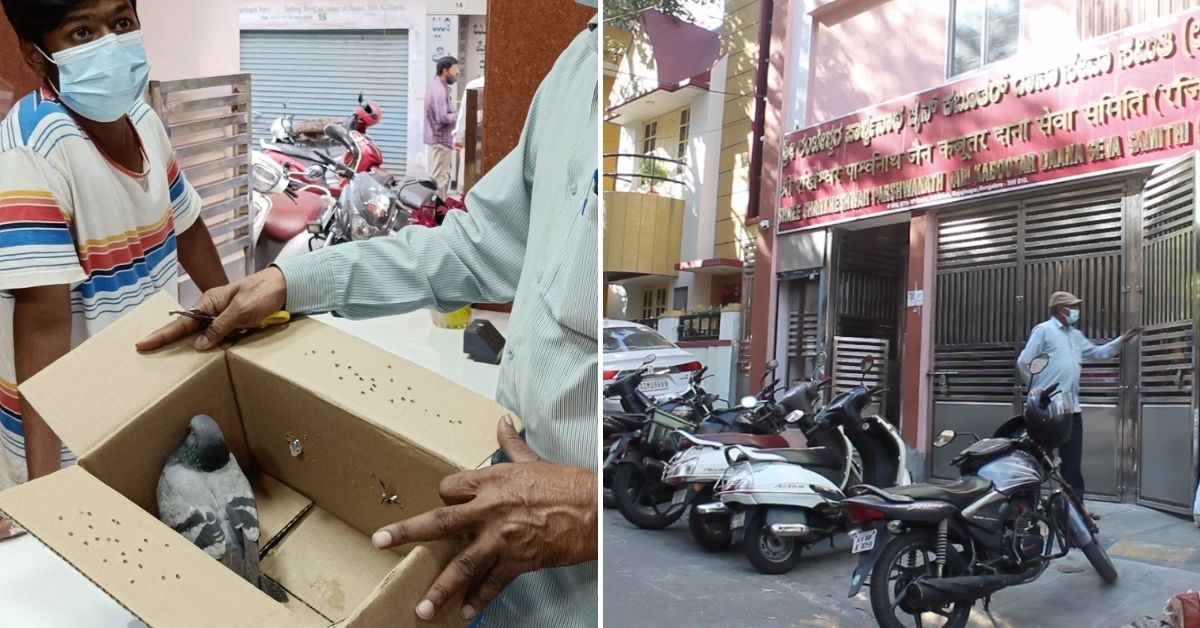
x=37, y=588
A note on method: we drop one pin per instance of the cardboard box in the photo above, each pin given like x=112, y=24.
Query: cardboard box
x=370, y=426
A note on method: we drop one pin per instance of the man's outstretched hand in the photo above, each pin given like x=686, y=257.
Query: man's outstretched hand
x=237, y=305
x=520, y=516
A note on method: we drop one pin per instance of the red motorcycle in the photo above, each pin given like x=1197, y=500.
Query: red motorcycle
x=300, y=147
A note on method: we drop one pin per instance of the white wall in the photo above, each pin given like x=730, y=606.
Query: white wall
x=475, y=47
x=441, y=40
x=795, y=96
x=188, y=39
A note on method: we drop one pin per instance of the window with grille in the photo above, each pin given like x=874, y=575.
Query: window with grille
x=1101, y=17
x=650, y=138
x=685, y=123
x=982, y=32
x=654, y=303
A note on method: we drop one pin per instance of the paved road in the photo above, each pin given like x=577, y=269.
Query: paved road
x=660, y=578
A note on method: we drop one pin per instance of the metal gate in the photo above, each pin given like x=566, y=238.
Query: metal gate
x=320, y=73
x=1165, y=456
x=997, y=265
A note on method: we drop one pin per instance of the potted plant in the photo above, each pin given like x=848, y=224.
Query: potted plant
x=653, y=168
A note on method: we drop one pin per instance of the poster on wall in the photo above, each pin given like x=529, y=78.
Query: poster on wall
x=1125, y=100
x=317, y=14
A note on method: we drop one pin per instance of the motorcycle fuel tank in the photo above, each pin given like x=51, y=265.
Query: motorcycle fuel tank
x=1013, y=472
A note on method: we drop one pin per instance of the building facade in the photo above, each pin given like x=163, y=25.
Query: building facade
x=936, y=188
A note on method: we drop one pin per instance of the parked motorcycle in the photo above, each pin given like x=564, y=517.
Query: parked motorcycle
x=785, y=500
x=621, y=429
x=639, y=491
x=302, y=148
x=702, y=462
x=932, y=551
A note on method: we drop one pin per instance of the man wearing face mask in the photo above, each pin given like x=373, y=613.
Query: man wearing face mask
x=530, y=237
x=1067, y=347
x=94, y=210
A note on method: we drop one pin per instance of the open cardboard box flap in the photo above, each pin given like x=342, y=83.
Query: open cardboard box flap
x=337, y=436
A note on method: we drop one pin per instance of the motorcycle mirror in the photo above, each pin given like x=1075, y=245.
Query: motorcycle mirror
x=748, y=402
x=944, y=437
x=794, y=416
x=428, y=183
x=868, y=364
x=360, y=98
x=822, y=357
x=772, y=365
x=648, y=360
x=1038, y=364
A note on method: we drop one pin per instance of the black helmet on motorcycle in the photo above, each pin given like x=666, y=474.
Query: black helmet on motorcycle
x=1047, y=419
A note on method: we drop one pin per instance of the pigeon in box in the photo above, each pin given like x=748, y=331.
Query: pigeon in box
x=204, y=496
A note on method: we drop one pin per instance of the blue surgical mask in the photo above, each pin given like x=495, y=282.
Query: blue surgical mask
x=1072, y=316
x=101, y=80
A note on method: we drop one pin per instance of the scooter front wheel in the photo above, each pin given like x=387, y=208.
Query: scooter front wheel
x=770, y=554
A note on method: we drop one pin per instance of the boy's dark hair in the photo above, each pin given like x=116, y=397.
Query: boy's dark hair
x=443, y=64
x=33, y=19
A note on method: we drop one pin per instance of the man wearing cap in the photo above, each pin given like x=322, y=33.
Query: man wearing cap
x=1067, y=347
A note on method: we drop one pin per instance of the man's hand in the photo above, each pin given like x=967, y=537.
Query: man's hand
x=521, y=516
x=242, y=304
x=1131, y=334
x=457, y=146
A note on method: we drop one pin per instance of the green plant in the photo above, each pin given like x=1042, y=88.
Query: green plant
x=703, y=309
x=652, y=168
x=623, y=13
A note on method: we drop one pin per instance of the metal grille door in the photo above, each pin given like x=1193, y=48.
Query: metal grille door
x=997, y=265
x=1166, y=452
x=320, y=74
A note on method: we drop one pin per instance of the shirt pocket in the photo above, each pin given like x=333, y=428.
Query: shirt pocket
x=570, y=290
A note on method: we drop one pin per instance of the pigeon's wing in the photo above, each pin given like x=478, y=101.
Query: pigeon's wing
x=185, y=503
x=240, y=513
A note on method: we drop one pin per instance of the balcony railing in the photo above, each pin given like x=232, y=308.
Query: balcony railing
x=650, y=170
x=706, y=326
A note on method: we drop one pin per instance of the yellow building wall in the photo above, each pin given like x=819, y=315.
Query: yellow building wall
x=642, y=233
x=739, y=40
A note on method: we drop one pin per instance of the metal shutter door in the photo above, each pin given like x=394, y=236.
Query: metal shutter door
x=320, y=74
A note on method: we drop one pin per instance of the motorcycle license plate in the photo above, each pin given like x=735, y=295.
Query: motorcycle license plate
x=655, y=384
x=864, y=541
x=737, y=521
x=679, y=496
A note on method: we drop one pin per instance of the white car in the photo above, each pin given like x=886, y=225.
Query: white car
x=627, y=344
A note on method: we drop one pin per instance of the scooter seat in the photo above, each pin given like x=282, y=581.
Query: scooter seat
x=764, y=441
x=290, y=218
x=961, y=492
x=812, y=457
x=296, y=152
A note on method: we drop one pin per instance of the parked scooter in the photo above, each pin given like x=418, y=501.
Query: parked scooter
x=782, y=501
x=639, y=491
x=702, y=462
x=932, y=551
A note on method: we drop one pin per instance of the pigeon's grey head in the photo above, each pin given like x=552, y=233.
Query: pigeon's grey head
x=204, y=446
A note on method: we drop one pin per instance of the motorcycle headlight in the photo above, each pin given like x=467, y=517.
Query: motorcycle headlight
x=360, y=229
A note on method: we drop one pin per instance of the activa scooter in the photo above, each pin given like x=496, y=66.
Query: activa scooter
x=784, y=500
x=702, y=462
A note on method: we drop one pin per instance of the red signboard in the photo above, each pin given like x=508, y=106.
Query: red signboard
x=1126, y=99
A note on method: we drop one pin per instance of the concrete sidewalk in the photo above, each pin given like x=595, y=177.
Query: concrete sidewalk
x=655, y=577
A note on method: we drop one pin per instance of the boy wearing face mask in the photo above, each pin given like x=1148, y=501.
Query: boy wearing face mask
x=94, y=210
x=1067, y=347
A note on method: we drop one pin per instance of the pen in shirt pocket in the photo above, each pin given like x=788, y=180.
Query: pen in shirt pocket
x=595, y=191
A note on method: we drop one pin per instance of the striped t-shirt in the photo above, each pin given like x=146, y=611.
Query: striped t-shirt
x=70, y=215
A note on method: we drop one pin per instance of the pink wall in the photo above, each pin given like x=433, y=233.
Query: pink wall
x=189, y=39
x=869, y=51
